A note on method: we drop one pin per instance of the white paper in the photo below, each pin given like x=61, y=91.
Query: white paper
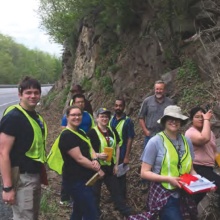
x=122, y=169
x=200, y=184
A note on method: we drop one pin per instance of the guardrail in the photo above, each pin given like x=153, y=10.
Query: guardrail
x=15, y=86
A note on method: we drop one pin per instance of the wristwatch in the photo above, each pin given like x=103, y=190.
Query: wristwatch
x=7, y=189
x=95, y=159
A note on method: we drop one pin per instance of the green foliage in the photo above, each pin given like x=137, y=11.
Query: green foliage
x=106, y=84
x=64, y=94
x=16, y=61
x=170, y=14
x=114, y=68
x=86, y=83
x=192, y=89
x=48, y=206
x=188, y=70
x=98, y=72
x=49, y=99
x=62, y=18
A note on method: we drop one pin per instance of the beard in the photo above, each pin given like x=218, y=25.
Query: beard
x=159, y=95
x=118, y=111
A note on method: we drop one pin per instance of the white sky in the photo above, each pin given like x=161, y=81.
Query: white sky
x=19, y=20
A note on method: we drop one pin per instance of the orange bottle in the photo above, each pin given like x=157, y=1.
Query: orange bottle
x=109, y=152
x=217, y=159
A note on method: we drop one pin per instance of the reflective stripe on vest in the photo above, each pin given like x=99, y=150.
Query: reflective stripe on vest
x=119, y=129
x=103, y=143
x=55, y=159
x=169, y=166
x=37, y=150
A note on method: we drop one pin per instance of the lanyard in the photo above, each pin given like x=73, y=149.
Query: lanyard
x=106, y=135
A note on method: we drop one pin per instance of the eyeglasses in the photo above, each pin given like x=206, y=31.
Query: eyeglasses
x=75, y=115
x=171, y=119
x=198, y=116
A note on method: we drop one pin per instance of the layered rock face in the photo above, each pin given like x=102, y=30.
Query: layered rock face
x=147, y=52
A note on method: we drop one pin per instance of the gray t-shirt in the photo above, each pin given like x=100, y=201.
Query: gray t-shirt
x=151, y=111
x=154, y=151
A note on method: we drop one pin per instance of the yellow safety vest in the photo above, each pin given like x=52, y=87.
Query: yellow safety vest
x=37, y=150
x=171, y=161
x=103, y=143
x=119, y=129
x=55, y=159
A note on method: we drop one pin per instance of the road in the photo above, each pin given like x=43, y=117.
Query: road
x=9, y=96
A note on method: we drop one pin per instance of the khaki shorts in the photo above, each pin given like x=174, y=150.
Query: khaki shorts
x=28, y=195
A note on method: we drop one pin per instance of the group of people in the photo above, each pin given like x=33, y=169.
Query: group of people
x=78, y=154
x=168, y=154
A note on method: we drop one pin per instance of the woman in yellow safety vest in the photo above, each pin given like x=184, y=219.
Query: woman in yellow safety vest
x=166, y=157
x=79, y=165
x=105, y=141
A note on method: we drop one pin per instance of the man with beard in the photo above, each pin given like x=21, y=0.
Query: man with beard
x=152, y=110
x=125, y=128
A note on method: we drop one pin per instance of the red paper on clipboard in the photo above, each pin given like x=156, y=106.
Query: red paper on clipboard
x=196, y=184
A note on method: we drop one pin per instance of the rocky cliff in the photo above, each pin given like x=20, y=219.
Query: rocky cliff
x=177, y=41
x=109, y=63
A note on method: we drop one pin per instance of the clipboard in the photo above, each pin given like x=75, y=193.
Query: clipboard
x=92, y=180
x=196, y=184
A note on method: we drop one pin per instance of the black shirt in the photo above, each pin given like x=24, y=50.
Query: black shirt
x=71, y=169
x=16, y=124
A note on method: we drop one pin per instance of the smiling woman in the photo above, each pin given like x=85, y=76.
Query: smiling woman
x=167, y=155
x=77, y=164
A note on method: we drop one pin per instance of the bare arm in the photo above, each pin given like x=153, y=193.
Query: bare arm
x=202, y=137
x=76, y=154
x=144, y=129
x=146, y=173
x=6, y=143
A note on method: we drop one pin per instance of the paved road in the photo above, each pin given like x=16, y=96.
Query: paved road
x=8, y=96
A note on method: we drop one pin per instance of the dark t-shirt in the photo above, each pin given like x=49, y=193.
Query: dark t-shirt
x=15, y=124
x=71, y=169
x=88, y=106
x=96, y=145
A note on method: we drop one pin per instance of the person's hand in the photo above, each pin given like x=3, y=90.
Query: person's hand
x=96, y=165
x=101, y=173
x=126, y=161
x=146, y=132
x=208, y=115
x=8, y=197
x=174, y=181
x=102, y=156
x=115, y=170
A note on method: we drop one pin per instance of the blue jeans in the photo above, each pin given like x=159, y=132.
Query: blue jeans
x=84, y=200
x=171, y=210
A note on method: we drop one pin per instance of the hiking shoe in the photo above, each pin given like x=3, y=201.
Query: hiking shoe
x=66, y=203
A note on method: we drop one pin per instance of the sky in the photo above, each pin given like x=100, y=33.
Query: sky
x=19, y=20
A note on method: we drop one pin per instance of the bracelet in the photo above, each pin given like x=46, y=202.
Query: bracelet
x=95, y=159
x=206, y=119
x=7, y=189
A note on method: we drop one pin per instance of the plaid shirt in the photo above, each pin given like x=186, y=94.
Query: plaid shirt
x=157, y=199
